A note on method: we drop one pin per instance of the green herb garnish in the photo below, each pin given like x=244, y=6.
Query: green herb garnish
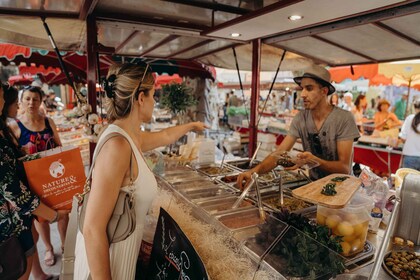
x=329, y=189
x=339, y=179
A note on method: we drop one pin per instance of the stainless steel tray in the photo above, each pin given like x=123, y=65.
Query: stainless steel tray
x=308, y=206
x=196, y=194
x=214, y=170
x=188, y=176
x=201, y=183
x=362, y=257
x=240, y=219
x=217, y=206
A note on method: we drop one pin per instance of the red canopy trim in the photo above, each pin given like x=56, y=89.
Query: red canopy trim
x=339, y=74
x=10, y=51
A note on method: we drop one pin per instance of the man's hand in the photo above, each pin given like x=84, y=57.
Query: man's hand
x=245, y=176
x=199, y=126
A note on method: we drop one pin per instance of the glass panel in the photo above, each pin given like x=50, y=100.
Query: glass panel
x=203, y=49
x=175, y=46
x=56, y=5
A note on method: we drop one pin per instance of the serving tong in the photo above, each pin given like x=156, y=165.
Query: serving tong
x=254, y=181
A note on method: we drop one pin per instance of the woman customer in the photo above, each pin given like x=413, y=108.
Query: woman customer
x=358, y=110
x=14, y=195
x=36, y=133
x=410, y=134
x=384, y=119
x=334, y=100
x=129, y=90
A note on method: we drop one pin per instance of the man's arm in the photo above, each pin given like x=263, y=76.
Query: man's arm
x=342, y=165
x=267, y=164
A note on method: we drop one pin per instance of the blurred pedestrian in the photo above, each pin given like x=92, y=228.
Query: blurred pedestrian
x=410, y=134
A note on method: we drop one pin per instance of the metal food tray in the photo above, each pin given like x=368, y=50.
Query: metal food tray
x=309, y=209
x=194, y=184
x=203, y=193
x=226, y=169
x=250, y=218
x=361, y=257
x=189, y=176
x=242, y=165
x=220, y=205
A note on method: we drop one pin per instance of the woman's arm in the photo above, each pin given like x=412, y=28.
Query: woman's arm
x=111, y=168
x=395, y=121
x=152, y=140
x=55, y=132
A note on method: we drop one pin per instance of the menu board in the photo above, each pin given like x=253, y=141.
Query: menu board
x=173, y=256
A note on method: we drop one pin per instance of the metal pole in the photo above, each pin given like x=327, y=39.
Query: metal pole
x=240, y=83
x=271, y=87
x=60, y=59
x=255, y=93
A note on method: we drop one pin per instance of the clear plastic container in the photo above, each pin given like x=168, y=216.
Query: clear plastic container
x=351, y=222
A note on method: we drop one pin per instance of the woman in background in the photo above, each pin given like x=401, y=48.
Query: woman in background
x=334, y=100
x=37, y=133
x=14, y=195
x=384, y=119
x=410, y=134
x=358, y=110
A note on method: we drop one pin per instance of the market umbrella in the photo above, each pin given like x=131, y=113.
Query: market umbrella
x=339, y=74
x=21, y=80
x=167, y=79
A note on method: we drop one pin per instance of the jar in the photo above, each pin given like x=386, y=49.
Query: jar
x=350, y=222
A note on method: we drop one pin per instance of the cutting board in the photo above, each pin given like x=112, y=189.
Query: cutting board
x=345, y=191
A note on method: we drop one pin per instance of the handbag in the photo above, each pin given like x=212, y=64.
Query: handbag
x=120, y=226
x=12, y=256
x=123, y=219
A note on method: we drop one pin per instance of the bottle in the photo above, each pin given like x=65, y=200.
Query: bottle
x=146, y=246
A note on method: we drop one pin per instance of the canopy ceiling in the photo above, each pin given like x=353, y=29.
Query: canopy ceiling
x=334, y=33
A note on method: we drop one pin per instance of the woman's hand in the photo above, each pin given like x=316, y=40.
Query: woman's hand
x=199, y=126
x=62, y=214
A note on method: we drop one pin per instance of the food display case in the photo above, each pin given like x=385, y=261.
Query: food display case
x=265, y=239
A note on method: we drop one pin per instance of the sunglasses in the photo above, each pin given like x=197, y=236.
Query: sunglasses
x=315, y=143
x=137, y=91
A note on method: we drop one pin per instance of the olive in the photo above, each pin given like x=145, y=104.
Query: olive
x=405, y=266
x=390, y=264
x=389, y=259
x=417, y=270
x=396, y=270
x=404, y=260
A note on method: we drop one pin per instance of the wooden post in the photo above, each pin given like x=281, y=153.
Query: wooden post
x=255, y=94
x=91, y=49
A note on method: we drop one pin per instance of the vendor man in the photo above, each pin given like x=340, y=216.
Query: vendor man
x=327, y=132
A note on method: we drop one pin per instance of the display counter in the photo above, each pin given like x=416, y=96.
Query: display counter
x=211, y=198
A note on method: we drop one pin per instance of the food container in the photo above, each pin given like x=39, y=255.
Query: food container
x=201, y=183
x=202, y=193
x=240, y=219
x=214, y=170
x=290, y=203
x=218, y=205
x=243, y=164
x=351, y=222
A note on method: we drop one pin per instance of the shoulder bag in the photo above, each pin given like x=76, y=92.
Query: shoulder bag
x=120, y=226
x=12, y=256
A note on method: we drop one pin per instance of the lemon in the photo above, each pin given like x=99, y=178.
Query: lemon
x=332, y=221
x=345, y=228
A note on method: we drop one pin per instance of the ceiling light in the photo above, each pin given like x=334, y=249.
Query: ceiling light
x=295, y=17
x=235, y=35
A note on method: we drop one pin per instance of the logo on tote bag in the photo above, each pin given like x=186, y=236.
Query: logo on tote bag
x=57, y=169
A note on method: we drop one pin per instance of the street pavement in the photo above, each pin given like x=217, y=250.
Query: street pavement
x=55, y=240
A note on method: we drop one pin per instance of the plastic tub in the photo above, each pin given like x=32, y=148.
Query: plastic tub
x=351, y=222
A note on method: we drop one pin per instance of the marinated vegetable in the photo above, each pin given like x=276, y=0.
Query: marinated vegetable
x=339, y=179
x=404, y=265
x=285, y=160
x=289, y=203
x=329, y=189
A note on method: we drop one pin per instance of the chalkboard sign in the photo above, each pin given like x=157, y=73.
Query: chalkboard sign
x=173, y=255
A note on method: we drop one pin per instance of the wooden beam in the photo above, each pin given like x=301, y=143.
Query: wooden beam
x=121, y=17
x=408, y=9
x=216, y=50
x=391, y=30
x=214, y=6
x=159, y=44
x=87, y=8
x=37, y=13
x=344, y=48
x=126, y=41
x=199, y=44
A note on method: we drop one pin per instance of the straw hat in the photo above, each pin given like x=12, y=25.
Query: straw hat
x=319, y=74
x=382, y=101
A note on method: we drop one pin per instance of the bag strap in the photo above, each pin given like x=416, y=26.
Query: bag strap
x=67, y=267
